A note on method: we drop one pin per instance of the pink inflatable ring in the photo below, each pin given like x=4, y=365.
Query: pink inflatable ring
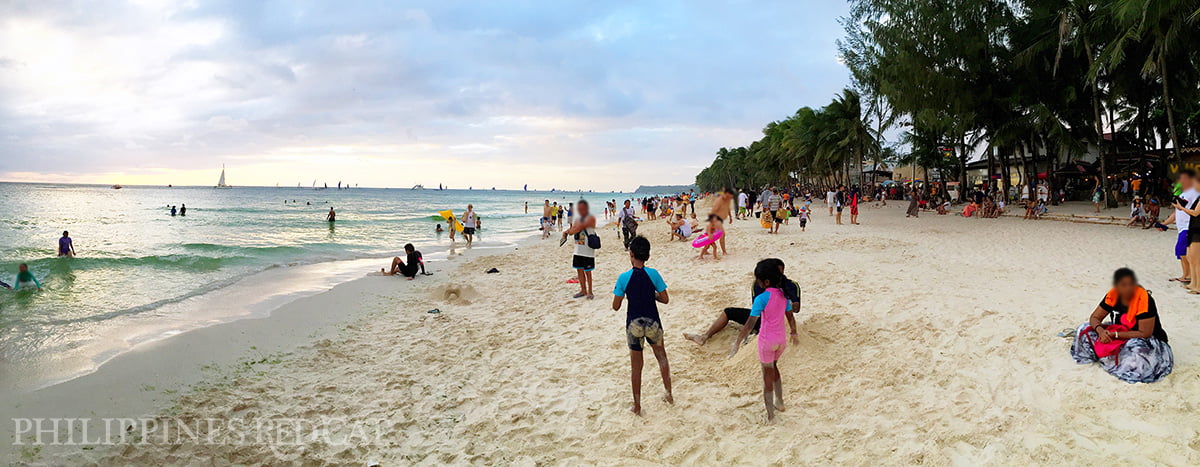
x=706, y=240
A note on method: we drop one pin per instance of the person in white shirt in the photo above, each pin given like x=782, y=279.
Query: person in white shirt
x=830, y=200
x=470, y=222
x=584, y=260
x=627, y=219
x=742, y=199
x=1187, y=181
x=679, y=228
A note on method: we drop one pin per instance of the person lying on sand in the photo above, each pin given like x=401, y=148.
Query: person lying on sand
x=791, y=290
x=407, y=269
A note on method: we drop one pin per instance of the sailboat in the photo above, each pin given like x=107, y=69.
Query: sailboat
x=221, y=181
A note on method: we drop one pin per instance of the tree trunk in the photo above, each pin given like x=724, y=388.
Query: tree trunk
x=1162, y=73
x=1004, y=177
x=991, y=167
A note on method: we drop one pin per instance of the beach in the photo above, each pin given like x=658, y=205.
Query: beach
x=923, y=341
x=141, y=274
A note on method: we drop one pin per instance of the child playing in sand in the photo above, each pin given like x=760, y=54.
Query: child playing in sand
x=804, y=218
x=645, y=289
x=771, y=307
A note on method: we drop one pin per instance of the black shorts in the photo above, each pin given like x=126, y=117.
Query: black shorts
x=468, y=231
x=839, y=209
x=583, y=262
x=740, y=316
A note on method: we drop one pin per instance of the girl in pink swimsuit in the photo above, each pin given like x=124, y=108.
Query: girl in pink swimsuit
x=772, y=308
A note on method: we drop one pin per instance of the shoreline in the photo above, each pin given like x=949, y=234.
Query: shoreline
x=249, y=296
x=137, y=380
x=954, y=318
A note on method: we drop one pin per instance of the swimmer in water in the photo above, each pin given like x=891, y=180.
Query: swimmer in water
x=26, y=279
x=65, y=246
x=183, y=209
x=172, y=211
x=439, y=229
x=332, y=216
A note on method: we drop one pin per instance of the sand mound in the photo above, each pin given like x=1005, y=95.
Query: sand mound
x=455, y=294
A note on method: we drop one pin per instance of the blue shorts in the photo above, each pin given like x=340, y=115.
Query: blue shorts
x=1181, y=245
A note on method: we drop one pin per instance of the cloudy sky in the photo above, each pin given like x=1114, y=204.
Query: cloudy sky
x=567, y=94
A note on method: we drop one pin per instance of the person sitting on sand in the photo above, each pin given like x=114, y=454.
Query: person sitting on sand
x=970, y=209
x=1136, y=213
x=407, y=269
x=772, y=308
x=1150, y=214
x=679, y=228
x=25, y=279
x=741, y=315
x=1132, y=345
x=943, y=208
x=645, y=289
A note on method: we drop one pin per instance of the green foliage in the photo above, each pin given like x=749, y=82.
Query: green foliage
x=1027, y=77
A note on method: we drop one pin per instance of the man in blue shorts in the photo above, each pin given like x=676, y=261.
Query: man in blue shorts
x=1187, y=182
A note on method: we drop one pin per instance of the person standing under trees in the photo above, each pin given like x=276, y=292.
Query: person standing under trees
x=914, y=208
x=1187, y=183
x=839, y=201
x=854, y=208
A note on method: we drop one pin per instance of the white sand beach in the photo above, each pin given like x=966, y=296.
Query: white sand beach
x=924, y=341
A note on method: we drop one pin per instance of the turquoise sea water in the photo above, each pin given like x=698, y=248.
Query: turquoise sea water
x=142, y=274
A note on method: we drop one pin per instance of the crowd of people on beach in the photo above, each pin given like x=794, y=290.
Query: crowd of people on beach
x=1123, y=334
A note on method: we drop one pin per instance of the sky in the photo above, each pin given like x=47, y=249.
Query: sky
x=560, y=94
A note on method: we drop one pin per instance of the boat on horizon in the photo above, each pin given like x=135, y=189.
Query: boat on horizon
x=221, y=181
x=117, y=187
x=418, y=187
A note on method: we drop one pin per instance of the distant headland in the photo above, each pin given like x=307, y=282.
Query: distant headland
x=663, y=189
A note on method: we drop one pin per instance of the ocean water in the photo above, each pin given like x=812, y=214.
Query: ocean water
x=143, y=275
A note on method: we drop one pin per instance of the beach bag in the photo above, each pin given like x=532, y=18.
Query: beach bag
x=1113, y=346
x=593, y=241
x=630, y=224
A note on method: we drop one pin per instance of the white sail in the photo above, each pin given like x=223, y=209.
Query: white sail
x=221, y=181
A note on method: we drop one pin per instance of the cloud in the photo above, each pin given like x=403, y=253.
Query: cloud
x=621, y=92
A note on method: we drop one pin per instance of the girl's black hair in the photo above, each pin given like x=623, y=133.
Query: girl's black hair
x=409, y=248
x=767, y=271
x=1123, y=273
x=779, y=267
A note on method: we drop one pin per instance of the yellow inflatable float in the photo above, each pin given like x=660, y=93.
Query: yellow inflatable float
x=453, y=221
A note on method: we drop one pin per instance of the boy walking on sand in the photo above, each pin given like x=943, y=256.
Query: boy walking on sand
x=645, y=289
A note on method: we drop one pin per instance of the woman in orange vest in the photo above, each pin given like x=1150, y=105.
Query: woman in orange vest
x=1124, y=334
